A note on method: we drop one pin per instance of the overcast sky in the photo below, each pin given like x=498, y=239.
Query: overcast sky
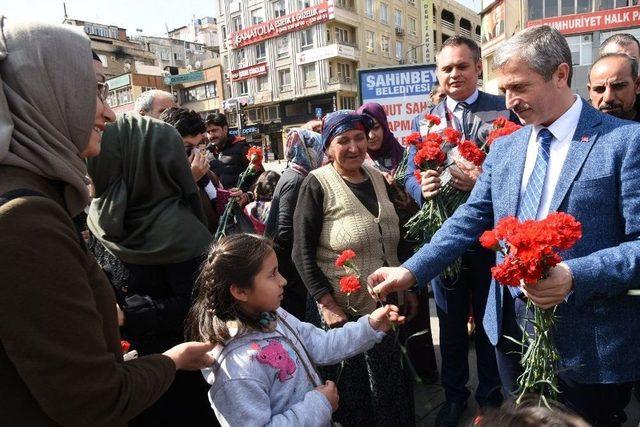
x=147, y=15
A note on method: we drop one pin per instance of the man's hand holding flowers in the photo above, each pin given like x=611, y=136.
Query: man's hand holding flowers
x=552, y=290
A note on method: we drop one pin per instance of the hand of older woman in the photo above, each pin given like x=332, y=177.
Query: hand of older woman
x=331, y=312
x=430, y=184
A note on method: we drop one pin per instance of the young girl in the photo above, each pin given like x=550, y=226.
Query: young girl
x=265, y=373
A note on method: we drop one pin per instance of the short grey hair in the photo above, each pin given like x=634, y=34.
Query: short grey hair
x=633, y=63
x=542, y=48
x=145, y=101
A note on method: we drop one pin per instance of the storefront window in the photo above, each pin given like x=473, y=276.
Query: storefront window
x=581, y=49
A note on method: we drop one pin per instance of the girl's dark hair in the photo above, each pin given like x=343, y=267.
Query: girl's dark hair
x=187, y=122
x=265, y=185
x=530, y=413
x=234, y=260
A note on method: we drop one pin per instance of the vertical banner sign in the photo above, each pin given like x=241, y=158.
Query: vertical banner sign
x=402, y=91
x=429, y=45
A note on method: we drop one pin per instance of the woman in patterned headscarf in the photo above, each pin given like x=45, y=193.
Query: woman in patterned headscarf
x=61, y=360
x=304, y=153
x=346, y=205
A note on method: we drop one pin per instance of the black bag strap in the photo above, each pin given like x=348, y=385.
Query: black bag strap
x=306, y=352
x=26, y=192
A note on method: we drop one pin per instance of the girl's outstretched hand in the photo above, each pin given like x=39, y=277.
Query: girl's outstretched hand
x=382, y=318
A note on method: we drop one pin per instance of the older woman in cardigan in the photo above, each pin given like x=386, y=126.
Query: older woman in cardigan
x=346, y=205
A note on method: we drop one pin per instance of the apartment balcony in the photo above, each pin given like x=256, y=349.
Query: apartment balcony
x=339, y=50
x=345, y=4
x=466, y=33
x=339, y=83
x=346, y=14
x=262, y=97
x=448, y=25
x=399, y=31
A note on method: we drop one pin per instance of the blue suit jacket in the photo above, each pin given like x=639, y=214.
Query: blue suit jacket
x=597, y=329
x=485, y=109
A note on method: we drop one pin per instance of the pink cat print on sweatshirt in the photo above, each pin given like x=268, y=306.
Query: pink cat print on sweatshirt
x=275, y=355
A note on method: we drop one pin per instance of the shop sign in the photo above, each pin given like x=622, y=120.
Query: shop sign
x=292, y=22
x=324, y=52
x=248, y=72
x=604, y=20
x=119, y=81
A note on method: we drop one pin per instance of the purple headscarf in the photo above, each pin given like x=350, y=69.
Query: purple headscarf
x=390, y=148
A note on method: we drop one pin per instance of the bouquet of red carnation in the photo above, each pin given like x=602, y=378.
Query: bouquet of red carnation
x=255, y=166
x=126, y=354
x=433, y=213
x=530, y=250
x=415, y=139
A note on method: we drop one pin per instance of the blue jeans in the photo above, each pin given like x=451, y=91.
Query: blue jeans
x=454, y=298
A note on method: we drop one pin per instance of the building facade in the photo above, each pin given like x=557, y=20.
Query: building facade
x=202, y=30
x=126, y=88
x=288, y=61
x=204, y=96
x=584, y=23
x=118, y=53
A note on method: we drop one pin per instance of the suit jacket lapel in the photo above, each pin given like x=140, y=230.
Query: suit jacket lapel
x=516, y=168
x=581, y=144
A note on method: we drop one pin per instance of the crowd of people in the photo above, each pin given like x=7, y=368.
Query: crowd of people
x=108, y=228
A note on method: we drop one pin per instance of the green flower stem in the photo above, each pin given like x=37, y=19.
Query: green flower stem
x=221, y=231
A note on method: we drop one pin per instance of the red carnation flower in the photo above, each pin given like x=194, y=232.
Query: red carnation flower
x=429, y=156
x=470, y=151
x=349, y=284
x=451, y=135
x=434, y=137
x=345, y=257
x=489, y=240
x=507, y=129
x=255, y=156
x=125, y=345
x=500, y=122
x=433, y=120
x=413, y=138
x=418, y=175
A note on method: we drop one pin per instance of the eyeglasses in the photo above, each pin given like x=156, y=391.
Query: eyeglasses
x=103, y=91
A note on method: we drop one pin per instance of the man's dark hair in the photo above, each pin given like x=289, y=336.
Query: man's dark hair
x=622, y=39
x=187, y=122
x=458, y=40
x=630, y=60
x=216, y=119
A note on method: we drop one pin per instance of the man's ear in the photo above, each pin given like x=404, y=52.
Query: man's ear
x=241, y=294
x=562, y=73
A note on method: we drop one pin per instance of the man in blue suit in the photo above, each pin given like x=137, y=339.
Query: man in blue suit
x=569, y=158
x=471, y=112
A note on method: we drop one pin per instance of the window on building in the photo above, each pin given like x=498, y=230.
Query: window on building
x=309, y=73
x=550, y=8
x=240, y=56
x=344, y=72
x=243, y=87
x=103, y=59
x=368, y=8
x=348, y=102
x=200, y=92
x=236, y=23
x=341, y=35
x=261, y=51
x=398, y=50
x=306, y=38
x=271, y=112
x=284, y=79
x=384, y=13
x=412, y=54
x=263, y=83
x=581, y=49
x=412, y=25
x=304, y=4
x=257, y=16
x=282, y=46
x=535, y=9
x=384, y=45
x=370, y=38
x=568, y=7
x=124, y=96
x=583, y=6
x=278, y=9
x=398, y=17
x=254, y=114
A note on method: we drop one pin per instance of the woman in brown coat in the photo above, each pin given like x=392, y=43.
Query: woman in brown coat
x=60, y=356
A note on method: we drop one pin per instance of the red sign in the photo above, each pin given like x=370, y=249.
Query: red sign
x=596, y=21
x=285, y=24
x=248, y=72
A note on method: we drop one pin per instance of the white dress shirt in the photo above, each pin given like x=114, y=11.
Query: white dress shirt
x=452, y=105
x=563, y=130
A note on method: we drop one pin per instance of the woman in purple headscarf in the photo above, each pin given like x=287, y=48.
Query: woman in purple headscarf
x=383, y=148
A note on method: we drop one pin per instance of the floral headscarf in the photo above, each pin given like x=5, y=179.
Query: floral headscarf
x=304, y=150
